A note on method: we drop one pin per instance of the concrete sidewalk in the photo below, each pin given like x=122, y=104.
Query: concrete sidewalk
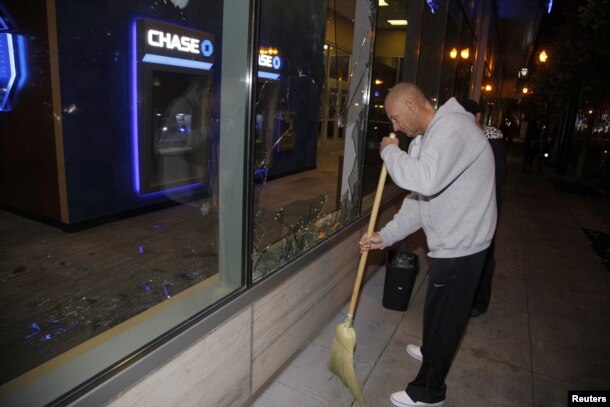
x=546, y=332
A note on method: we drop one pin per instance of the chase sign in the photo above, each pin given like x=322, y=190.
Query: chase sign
x=174, y=45
x=270, y=63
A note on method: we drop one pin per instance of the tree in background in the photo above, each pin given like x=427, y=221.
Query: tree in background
x=575, y=36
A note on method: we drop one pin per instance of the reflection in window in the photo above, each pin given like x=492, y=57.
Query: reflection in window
x=182, y=129
x=334, y=101
x=465, y=61
x=338, y=64
x=458, y=55
x=141, y=141
x=430, y=61
x=490, y=89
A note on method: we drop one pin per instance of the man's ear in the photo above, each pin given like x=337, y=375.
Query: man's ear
x=410, y=104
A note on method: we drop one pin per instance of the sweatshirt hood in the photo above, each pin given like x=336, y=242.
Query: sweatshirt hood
x=450, y=107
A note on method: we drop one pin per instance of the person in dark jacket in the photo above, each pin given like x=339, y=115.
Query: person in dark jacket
x=495, y=138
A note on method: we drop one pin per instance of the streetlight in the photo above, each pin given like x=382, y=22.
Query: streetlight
x=465, y=53
x=543, y=56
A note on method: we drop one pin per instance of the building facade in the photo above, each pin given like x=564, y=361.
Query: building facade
x=184, y=183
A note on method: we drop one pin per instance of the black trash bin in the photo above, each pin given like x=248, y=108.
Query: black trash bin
x=400, y=272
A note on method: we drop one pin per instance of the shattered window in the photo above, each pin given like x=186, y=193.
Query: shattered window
x=301, y=108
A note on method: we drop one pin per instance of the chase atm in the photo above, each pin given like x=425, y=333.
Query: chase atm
x=171, y=88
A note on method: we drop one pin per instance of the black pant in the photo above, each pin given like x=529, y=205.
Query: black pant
x=451, y=288
x=483, y=294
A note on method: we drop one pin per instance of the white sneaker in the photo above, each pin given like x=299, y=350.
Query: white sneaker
x=402, y=399
x=415, y=352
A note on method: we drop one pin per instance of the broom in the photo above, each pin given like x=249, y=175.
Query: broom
x=341, y=361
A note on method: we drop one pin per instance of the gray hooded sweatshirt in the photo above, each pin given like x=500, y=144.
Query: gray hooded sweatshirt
x=450, y=173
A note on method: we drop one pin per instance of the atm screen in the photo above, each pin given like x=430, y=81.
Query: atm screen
x=178, y=125
x=180, y=111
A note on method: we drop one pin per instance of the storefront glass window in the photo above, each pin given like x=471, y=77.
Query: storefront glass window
x=491, y=87
x=463, y=74
x=387, y=71
x=431, y=56
x=472, y=10
x=121, y=163
x=334, y=101
x=298, y=147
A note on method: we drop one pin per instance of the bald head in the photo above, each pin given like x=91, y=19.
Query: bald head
x=407, y=90
x=408, y=109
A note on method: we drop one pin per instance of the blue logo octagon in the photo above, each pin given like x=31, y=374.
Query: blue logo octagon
x=207, y=48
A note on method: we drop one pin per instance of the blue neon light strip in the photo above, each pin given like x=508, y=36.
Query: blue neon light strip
x=135, y=156
x=7, y=67
x=23, y=68
x=3, y=25
x=185, y=63
x=268, y=75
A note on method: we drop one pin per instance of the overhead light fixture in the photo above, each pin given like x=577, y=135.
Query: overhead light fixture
x=525, y=90
x=465, y=53
x=398, y=22
x=378, y=81
x=382, y=3
x=488, y=88
x=453, y=53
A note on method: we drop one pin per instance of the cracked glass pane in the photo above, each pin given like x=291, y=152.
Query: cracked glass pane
x=311, y=111
x=298, y=146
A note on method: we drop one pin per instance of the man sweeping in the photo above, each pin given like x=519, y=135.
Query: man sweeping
x=447, y=169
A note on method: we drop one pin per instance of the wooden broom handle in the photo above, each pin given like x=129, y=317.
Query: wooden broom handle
x=369, y=232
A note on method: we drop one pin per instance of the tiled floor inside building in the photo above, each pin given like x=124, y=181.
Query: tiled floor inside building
x=546, y=331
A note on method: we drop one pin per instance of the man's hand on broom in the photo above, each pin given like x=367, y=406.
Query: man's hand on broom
x=373, y=241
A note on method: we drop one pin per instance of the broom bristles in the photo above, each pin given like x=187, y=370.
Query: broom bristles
x=341, y=361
